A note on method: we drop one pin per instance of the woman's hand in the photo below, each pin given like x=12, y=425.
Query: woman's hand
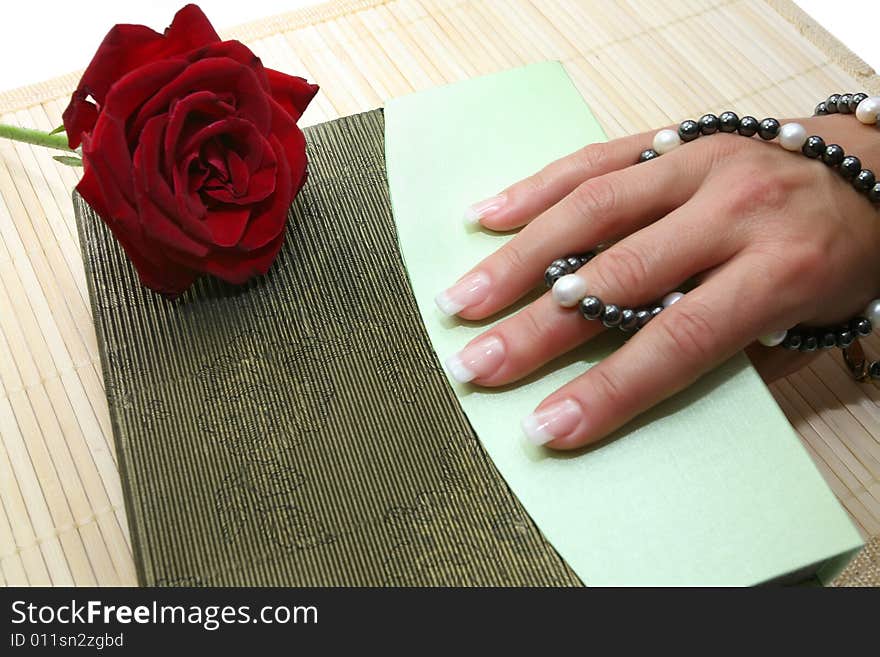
x=772, y=238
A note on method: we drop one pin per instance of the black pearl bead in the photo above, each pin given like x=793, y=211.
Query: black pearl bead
x=728, y=122
x=688, y=130
x=586, y=257
x=874, y=194
x=574, y=263
x=845, y=338
x=831, y=103
x=850, y=167
x=611, y=315
x=833, y=155
x=810, y=343
x=553, y=274
x=648, y=154
x=874, y=370
x=864, y=180
x=813, y=147
x=768, y=129
x=843, y=104
x=862, y=326
x=855, y=100
x=821, y=109
x=643, y=317
x=592, y=308
x=628, y=320
x=562, y=263
x=748, y=126
x=709, y=124
x=828, y=340
x=793, y=340
x=656, y=310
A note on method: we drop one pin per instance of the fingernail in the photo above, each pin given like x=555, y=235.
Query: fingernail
x=479, y=359
x=552, y=422
x=568, y=290
x=478, y=211
x=469, y=291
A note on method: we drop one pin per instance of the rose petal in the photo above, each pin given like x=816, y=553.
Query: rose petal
x=155, y=271
x=206, y=104
x=217, y=74
x=293, y=93
x=233, y=266
x=227, y=224
x=269, y=218
x=124, y=49
x=136, y=87
x=149, y=182
x=239, y=52
x=242, y=136
x=120, y=203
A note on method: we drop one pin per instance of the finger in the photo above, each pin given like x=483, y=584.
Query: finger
x=774, y=363
x=526, y=199
x=638, y=270
x=686, y=340
x=599, y=210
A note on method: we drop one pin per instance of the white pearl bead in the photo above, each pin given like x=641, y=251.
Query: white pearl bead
x=868, y=110
x=666, y=140
x=569, y=290
x=671, y=298
x=872, y=312
x=792, y=136
x=773, y=339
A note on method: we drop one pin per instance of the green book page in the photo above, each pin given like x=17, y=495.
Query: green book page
x=712, y=487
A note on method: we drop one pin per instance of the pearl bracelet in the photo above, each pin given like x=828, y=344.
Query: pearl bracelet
x=569, y=290
x=865, y=108
x=792, y=137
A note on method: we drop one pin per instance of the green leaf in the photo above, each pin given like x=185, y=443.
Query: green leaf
x=57, y=130
x=69, y=160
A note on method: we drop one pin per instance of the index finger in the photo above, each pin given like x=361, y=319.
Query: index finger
x=523, y=201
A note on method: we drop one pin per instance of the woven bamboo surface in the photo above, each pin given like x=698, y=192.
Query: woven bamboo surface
x=638, y=63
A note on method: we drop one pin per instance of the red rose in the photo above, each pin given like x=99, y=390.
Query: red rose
x=191, y=150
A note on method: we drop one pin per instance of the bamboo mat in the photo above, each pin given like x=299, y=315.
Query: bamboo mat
x=639, y=64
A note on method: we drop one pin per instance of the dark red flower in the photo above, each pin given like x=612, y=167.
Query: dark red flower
x=191, y=150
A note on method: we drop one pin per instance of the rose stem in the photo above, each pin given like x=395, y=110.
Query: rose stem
x=36, y=137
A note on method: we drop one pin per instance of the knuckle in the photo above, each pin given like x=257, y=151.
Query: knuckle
x=532, y=327
x=688, y=332
x=538, y=182
x=757, y=191
x=595, y=198
x=592, y=158
x=513, y=258
x=608, y=388
x=622, y=269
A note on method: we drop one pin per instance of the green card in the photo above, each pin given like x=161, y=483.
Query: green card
x=712, y=487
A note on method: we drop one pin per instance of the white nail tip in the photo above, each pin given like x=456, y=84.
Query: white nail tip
x=459, y=371
x=536, y=430
x=446, y=305
x=471, y=217
x=569, y=290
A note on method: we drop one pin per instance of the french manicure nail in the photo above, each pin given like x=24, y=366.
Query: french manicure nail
x=479, y=359
x=552, y=422
x=469, y=291
x=478, y=211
